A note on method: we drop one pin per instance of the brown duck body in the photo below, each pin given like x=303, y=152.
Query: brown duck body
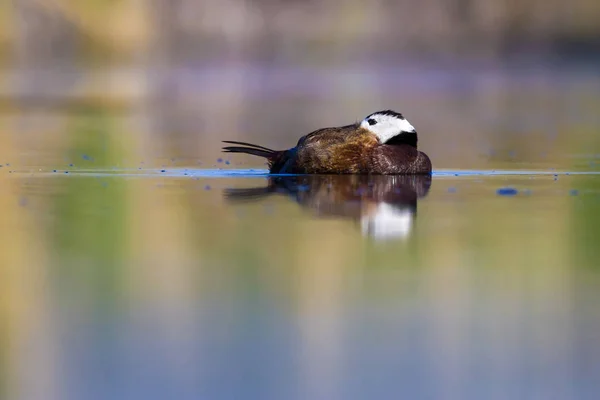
x=350, y=149
x=354, y=150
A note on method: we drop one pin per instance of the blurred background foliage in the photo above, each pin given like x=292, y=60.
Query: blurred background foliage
x=212, y=29
x=486, y=82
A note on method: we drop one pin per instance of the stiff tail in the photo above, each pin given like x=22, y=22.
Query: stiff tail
x=249, y=148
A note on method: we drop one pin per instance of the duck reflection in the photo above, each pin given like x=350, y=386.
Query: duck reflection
x=385, y=206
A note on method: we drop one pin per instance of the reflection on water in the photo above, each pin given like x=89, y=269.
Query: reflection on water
x=385, y=206
x=155, y=286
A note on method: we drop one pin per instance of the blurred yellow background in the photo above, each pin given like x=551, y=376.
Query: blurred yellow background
x=487, y=84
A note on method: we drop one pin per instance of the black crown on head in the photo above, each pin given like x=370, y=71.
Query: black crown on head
x=390, y=113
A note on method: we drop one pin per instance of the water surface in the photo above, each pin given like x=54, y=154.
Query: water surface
x=194, y=284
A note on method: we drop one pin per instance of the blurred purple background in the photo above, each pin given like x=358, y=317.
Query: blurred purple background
x=488, y=84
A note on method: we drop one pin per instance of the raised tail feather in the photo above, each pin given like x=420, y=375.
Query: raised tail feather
x=249, y=148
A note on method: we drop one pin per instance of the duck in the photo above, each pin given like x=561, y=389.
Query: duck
x=383, y=143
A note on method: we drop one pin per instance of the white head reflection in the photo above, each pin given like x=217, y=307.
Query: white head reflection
x=387, y=222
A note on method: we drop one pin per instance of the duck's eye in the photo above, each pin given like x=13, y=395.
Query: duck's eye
x=371, y=121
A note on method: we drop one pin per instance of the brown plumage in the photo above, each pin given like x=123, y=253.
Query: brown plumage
x=383, y=143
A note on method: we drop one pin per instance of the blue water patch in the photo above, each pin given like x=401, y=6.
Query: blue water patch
x=255, y=173
x=507, y=191
x=496, y=172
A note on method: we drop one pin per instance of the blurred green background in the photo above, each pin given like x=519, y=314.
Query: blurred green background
x=151, y=286
x=487, y=84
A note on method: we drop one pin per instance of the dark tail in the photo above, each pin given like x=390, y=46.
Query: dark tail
x=249, y=148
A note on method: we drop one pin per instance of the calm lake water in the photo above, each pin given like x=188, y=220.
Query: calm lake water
x=138, y=264
x=216, y=285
